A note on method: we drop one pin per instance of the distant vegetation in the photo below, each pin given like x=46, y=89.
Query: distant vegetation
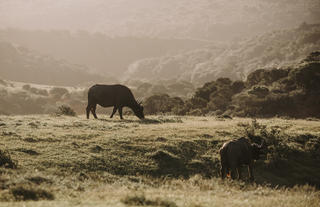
x=19, y=98
x=21, y=64
x=286, y=91
x=145, y=59
x=292, y=91
x=236, y=61
x=95, y=52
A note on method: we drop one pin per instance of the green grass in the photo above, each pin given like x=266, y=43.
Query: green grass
x=161, y=161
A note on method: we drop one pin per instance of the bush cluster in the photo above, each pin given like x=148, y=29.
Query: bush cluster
x=291, y=91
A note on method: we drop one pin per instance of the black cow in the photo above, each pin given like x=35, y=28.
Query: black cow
x=118, y=96
x=238, y=152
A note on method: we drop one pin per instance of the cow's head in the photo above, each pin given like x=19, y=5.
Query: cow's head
x=138, y=111
x=257, y=150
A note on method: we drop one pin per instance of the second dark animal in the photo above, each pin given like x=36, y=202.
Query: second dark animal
x=238, y=152
x=118, y=96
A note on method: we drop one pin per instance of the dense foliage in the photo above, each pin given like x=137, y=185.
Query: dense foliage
x=290, y=91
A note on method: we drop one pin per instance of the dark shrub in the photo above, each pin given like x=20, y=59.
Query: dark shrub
x=255, y=77
x=141, y=200
x=307, y=77
x=314, y=56
x=65, y=110
x=6, y=161
x=162, y=103
x=205, y=91
x=237, y=86
x=21, y=193
x=259, y=91
x=223, y=82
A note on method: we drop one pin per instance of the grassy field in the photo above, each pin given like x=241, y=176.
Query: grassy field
x=164, y=161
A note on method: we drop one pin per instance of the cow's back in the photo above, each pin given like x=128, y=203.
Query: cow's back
x=237, y=150
x=109, y=95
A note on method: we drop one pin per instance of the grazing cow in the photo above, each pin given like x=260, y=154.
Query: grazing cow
x=238, y=152
x=118, y=96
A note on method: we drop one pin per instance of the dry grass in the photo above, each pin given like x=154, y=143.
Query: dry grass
x=162, y=161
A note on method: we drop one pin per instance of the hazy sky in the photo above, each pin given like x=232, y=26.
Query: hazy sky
x=148, y=17
x=73, y=14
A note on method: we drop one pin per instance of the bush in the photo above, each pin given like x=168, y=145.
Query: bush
x=21, y=193
x=162, y=103
x=2, y=82
x=58, y=92
x=6, y=161
x=65, y=110
x=141, y=200
x=36, y=91
x=259, y=91
x=277, y=148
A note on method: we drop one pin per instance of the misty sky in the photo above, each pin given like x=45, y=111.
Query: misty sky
x=151, y=17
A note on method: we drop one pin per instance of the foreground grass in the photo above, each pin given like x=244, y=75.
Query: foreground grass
x=162, y=161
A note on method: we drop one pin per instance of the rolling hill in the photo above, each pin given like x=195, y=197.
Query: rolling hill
x=101, y=53
x=24, y=65
x=236, y=61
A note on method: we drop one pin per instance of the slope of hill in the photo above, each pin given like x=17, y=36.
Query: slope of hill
x=164, y=161
x=273, y=49
x=101, y=53
x=21, y=64
x=292, y=91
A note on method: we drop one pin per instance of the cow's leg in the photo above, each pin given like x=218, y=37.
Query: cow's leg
x=239, y=172
x=233, y=173
x=88, y=111
x=120, y=112
x=114, y=111
x=224, y=166
x=93, y=110
x=233, y=168
x=223, y=171
x=250, y=169
x=89, y=108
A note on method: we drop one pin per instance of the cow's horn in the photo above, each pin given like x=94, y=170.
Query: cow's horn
x=262, y=144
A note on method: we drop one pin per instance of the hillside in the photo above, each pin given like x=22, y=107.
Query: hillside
x=166, y=161
x=291, y=91
x=101, y=53
x=273, y=49
x=211, y=20
x=22, y=64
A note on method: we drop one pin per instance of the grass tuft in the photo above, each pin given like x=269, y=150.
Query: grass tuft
x=21, y=193
x=6, y=161
x=141, y=200
x=39, y=180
